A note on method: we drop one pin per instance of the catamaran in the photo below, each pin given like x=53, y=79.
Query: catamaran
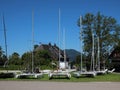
x=33, y=74
x=60, y=73
x=81, y=72
x=98, y=71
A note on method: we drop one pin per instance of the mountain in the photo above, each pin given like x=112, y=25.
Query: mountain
x=71, y=54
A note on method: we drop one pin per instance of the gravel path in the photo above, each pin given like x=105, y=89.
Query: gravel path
x=39, y=85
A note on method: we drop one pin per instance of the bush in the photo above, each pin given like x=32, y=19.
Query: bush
x=25, y=77
x=7, y=75
x=14, y=67
x=42, y=67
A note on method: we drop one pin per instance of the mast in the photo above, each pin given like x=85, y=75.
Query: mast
x=98, y=54
x=81, y=40
x=64, y=47
x=93, y=50
x=59, y=36
x=32, y=41
x=5, y=37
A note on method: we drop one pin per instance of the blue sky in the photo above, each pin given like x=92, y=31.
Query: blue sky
x=18, y=19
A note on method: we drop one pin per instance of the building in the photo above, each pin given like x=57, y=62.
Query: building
x=54, y=53
x=114, y=59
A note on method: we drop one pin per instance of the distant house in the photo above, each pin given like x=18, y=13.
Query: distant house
x=54, y=53
x=114, y=59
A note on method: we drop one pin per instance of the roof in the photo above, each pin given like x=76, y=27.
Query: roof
x=52, y=49
x=115, y=53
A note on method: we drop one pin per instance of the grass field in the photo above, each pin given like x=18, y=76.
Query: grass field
x=115, y=77
x=100, y=78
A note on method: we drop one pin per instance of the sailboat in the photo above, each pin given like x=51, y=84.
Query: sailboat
x=81, y=72
x=6, y=74
x=98, y=71
x=60, y=73
x=31, y=74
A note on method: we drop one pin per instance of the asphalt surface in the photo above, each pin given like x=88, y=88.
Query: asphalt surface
x=39, y=85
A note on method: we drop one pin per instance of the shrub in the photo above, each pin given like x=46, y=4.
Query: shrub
x=7, y=75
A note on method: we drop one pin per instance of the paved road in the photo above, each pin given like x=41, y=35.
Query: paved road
x=39, y=85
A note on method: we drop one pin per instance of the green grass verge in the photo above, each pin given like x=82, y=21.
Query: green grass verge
x=101, y=78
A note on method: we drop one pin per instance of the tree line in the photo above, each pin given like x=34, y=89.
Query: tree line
x=42, y=59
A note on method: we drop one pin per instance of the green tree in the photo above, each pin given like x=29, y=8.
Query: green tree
x=27, y=60
x=104, y=27
x=3, y=58
x=77, y=61
x=1, y=52
x=42, y=57
x=117, y=36
x=15, y=59
x=35, y=46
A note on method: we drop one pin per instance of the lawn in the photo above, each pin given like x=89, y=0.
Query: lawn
x=101, y=78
